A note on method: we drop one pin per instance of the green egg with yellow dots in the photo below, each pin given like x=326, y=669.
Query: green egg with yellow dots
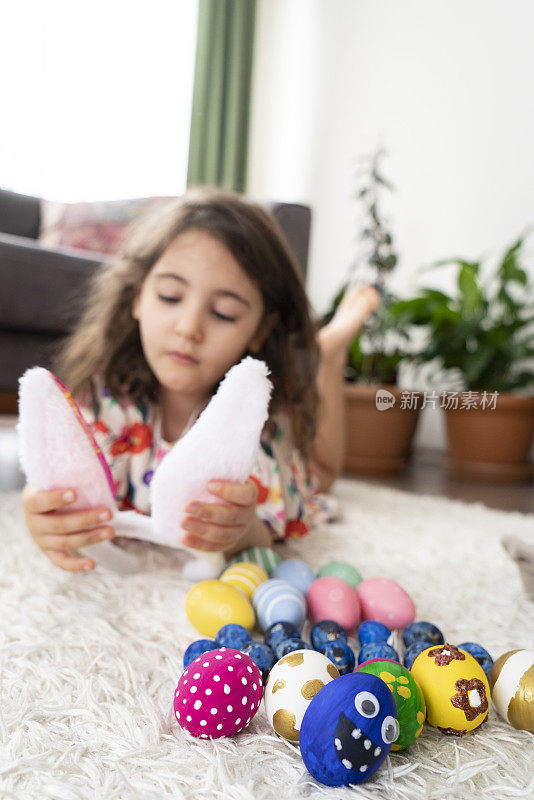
x=408, y=697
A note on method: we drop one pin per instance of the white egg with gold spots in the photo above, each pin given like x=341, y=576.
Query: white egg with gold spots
x=292, y=684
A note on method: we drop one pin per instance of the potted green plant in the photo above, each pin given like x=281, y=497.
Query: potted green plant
x=480, y=341
x=379, y=430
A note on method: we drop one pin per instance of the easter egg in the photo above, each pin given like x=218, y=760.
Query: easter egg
x=333, y=598
x=218, y=694
x=289, y=646
x=245, y=576
x=211, y=604
x=413, y=651
x=341, y=654
x=373, y=631
x=408, y=697
x=232, y=635
x=512, y=682
x=277, y=600
x=422, y=632
x=293, y=682
x=326, y=631
x=377, y=650
x=296, y=572
x=279, y=631
x=263, y=657
x=340, y=569
x=385, y=601
x=455, y=688
x=348, y=729
x=197, y=648
x=263, y=556
x=481, y=655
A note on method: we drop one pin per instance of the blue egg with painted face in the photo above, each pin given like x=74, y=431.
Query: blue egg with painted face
x=279, y=631
x=480, y=653
x=196, y=649
x=263, y=657
x=232, y=635
x=373, y=631
x=296, y=572
x=422, y=631
x=341, y=654
x=348, y=729
x=377, y=650
x=287, y=646
x=326, y=631
x=413, y=651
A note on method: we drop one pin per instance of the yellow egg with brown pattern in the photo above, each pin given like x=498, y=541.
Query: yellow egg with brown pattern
x=407, y=694
x=245, y=576
x=455, y=688
x=292, y=684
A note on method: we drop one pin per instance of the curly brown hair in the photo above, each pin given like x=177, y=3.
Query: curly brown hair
x=106, y=340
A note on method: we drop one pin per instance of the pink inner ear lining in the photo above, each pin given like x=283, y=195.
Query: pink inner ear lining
x=87, y=430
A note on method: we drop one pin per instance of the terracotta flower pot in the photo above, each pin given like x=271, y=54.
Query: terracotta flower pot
x=379, y=431
x=492, y=444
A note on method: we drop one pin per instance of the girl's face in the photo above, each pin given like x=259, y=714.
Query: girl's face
x=198, y=313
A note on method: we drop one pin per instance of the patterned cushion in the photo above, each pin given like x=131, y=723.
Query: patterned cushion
x=98, y=226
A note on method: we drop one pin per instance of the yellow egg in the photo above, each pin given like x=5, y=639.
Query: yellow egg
x=455, y=688
x=211, y=604
x=245, y=576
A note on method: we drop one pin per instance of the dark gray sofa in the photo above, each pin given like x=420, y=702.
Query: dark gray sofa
x=40, y=288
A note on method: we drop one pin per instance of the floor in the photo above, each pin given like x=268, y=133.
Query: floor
x=425, y=474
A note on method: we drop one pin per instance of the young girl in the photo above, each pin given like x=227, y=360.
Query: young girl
x=197, y=288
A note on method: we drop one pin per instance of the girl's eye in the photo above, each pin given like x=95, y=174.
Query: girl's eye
x=223, y=316
x=169, y=299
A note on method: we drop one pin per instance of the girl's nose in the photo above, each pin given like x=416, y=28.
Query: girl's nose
x=189, y=322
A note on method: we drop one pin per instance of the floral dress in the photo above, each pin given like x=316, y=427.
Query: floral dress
x=131, y=440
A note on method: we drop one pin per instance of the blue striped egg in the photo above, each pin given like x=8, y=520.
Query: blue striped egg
x=276, y=600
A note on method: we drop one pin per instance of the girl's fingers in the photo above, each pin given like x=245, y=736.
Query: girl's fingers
x=219, y=535
x=39, y=502
x=68, y=562
x=243, y=494
x=72, y=541
x=75, y=522
x=216, y=512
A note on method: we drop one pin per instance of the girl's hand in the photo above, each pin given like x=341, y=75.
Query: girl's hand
x=57, y=532
x=220, y=526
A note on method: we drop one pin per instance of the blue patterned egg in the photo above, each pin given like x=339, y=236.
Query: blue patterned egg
x=232, y=635
x=377, y=650
x=196, y=649
x=279, y=631
x=480, y=653
x=263, y=657
x=413, y=651
x=279, y=601
x=373, y=631
x=422, y=632
x=341, y=654
x=296, y=572
x=289, y=646
x=328, y=630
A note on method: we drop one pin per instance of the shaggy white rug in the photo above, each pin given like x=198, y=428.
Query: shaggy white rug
x=89, y=663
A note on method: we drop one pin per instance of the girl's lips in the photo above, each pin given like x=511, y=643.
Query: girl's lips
x=179, y=358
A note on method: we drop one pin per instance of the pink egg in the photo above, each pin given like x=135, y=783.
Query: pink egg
x=333, y=598
x=218, y=694
x=385, y=601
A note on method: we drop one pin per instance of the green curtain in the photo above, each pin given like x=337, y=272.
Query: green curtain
x=221, y=94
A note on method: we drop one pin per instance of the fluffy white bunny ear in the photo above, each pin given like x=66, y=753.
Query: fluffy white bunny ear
x=221, y=445
x=57, y=448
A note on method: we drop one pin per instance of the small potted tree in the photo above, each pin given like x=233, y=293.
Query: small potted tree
x=480, y=342
x=379, y=428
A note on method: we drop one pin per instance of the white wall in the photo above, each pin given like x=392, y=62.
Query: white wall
x=445, y=88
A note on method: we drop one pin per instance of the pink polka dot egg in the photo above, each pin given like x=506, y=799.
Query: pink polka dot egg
x=218, y=694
